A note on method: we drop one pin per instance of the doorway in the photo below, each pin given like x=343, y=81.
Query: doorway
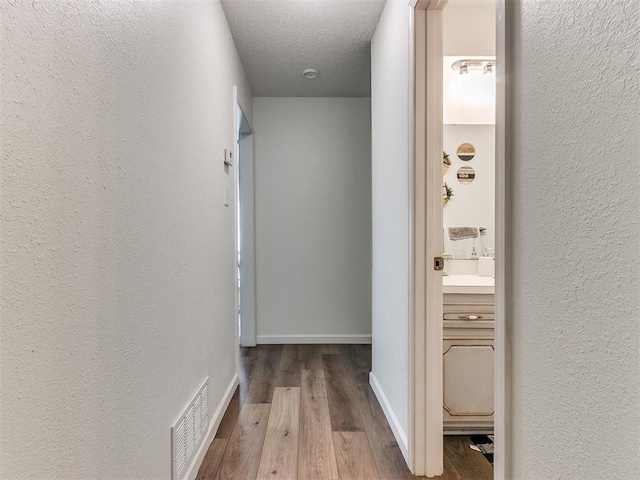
x=245, y=243
x=468, y=203
x=428, y=325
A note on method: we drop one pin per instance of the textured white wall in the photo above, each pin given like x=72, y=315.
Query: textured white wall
x=313, y=216
x=576, y=230
x=117, y=254
x=390, y=178
x=472, y=204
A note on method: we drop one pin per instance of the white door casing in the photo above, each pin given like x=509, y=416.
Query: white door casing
x=426, y=383
x=502, y=389
x=244, y=221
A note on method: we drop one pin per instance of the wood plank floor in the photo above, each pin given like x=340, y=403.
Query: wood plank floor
x=307, y=412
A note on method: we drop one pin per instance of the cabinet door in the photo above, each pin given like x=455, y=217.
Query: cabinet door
x=468, y=379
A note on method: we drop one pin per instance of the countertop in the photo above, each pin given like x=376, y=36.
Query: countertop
x=467, y=284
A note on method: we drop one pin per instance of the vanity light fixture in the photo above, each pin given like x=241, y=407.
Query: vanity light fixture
x=310, y=73
x=480, y=65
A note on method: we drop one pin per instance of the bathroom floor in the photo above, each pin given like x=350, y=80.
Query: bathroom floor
x=307, y=411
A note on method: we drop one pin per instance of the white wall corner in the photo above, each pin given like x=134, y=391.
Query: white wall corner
x=398, y=433
x=192, y=471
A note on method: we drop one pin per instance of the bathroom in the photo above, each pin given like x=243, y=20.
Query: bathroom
x=468, y=171
x=469, y=132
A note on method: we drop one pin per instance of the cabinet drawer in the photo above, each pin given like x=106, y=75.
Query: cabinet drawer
x=464, y=330
x=468, y=299
x=468, y=310
x=469, y=316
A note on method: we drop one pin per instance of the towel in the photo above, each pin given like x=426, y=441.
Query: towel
x=461, y=233
x=462, y=248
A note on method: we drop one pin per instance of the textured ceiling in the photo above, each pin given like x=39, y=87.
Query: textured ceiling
x=278, y=39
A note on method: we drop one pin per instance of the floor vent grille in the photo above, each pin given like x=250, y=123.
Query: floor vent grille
x=189, y=430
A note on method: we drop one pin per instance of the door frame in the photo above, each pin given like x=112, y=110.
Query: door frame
x=246, y=221
x=243, y=210
x=426, y=387
x=502, y=468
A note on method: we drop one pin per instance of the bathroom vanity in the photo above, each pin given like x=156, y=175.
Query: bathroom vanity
x=468, y=354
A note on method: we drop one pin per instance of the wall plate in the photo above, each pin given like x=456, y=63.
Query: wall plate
x=228, y=157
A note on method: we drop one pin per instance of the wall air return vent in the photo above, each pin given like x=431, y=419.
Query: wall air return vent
x=189, y=430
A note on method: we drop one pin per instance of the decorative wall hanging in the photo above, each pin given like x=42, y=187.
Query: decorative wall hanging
x=466, y=152
x=446, y=162
x=447, y=193
x=466, y=174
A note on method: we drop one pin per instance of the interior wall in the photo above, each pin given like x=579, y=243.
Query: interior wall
x=472, y=204
x=469, y=28
x=313, y=219
x=575, y=230
x=468, y=99
x=117, y=253
x=390, y=180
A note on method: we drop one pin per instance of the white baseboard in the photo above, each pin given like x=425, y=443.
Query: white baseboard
x=398, y=433
x=307, y=339
x=192, y=471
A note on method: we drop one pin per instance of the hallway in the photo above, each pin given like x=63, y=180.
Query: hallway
x=308, y=412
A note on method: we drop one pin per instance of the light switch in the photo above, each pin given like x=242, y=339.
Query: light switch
x=228, y=157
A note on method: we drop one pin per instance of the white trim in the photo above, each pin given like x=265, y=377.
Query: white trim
x=192, y=471
x=398, y=433
x=433, y=301
x=411, y=407
x=426, y=386
x=417, y=348
x=248, y=338
x=502, y=388
x=236, y=220
x=246, y=217
x=505, y=13
x=428, y=4
x=310, y=339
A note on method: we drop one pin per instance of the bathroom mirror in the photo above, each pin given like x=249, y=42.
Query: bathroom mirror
x=466, y=152
x=465, y=243
x=473, y=202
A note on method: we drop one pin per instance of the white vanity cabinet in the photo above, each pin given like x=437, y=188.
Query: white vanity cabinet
x=468, y=359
